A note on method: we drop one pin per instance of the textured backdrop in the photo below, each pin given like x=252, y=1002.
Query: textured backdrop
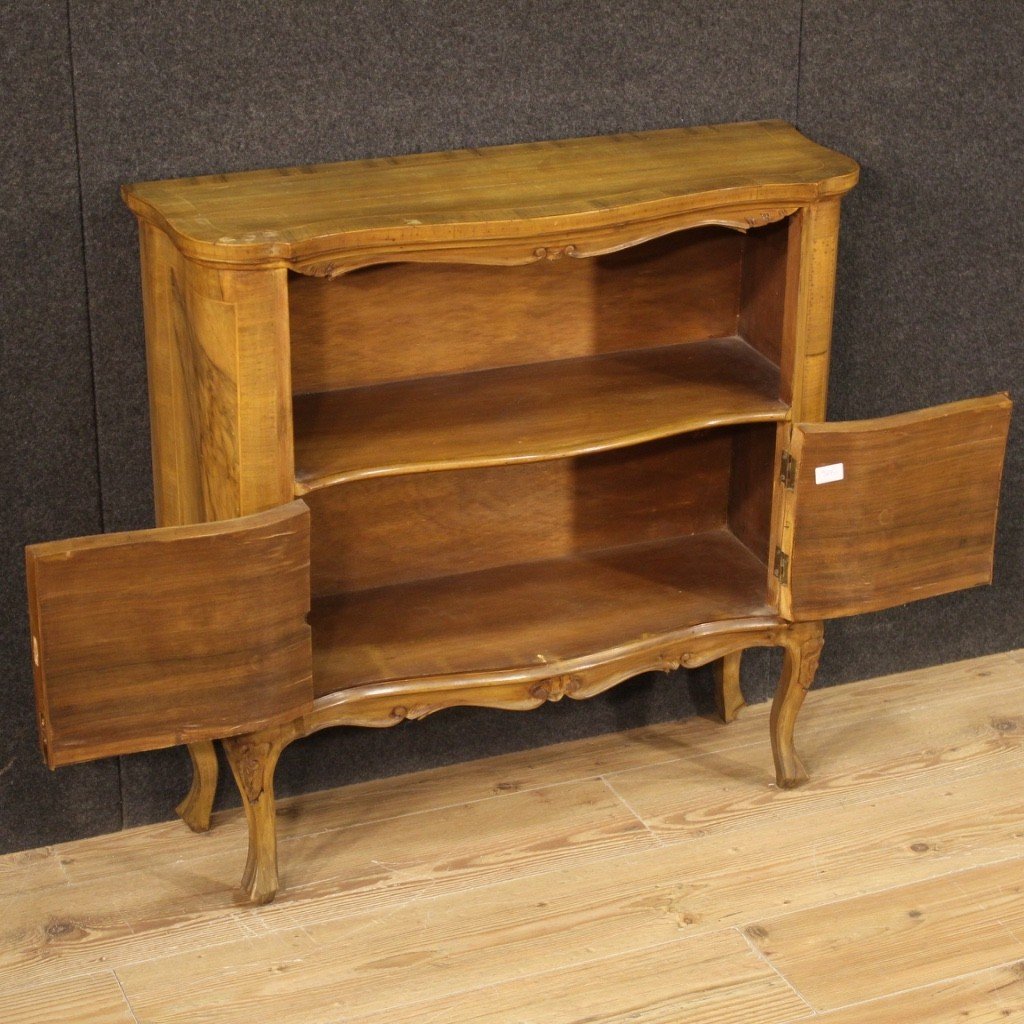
x=926, y=96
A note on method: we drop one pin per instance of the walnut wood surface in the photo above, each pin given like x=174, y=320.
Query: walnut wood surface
x=914, y=515
x=147, y=639
x=219, y=386
x=762, y=309
x=751, y=484
x=439, y=200
x=373, y=533
x=728, y=695
x=533, y=614
x=810, y=278
x=530, y=413
x=385, y=704
x=405, y=320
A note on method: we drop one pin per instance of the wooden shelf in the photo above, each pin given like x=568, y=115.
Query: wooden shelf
x=530, y=413
x=543, y=612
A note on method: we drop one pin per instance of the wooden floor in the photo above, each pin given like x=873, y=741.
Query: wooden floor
x=651, y=876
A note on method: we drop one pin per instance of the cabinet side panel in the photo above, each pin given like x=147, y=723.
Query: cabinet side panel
x=176, y=488
x=807, y=322
x=265, y=441
x=220, y=392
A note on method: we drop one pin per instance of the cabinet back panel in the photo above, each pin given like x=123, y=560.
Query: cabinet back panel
x=402, y=320
x=763, y=293
x=752, y=486
x=376, y=532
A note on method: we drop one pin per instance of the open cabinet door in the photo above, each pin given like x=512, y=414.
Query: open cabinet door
x=887, y=511
x=147, y=639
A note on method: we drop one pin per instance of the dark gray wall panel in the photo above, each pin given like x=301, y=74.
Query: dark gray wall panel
x=930, y=303
x=173, y=89
x=47, y=427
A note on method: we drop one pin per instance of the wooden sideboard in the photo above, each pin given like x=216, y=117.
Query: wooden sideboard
x=491, y=427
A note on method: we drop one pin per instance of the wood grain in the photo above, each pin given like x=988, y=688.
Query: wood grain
x=766, y=263
x=545, y=320
x=161, y=847
x=219, y=386
x=61, y=935
x=96, y=999
x=914, y=515
x=810, y=280
x=559, y=920
x=406, y=320
x=510, y=316
x=989, y=997
x=702, y=982
x=533, y=614
x=389, y=530
x=414, y=203
x=907, y=711
x=113, y=616
x=751, y=486
x=26, y=870
x=854, y=757
x=921, y=933
x=530, y=413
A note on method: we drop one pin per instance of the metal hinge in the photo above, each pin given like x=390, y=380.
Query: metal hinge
x=787, y=471
x=781, y=569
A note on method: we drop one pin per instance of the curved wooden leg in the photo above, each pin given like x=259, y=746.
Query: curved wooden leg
x=803, y=647
x=253, y=758
x=197, y=806
x=728, y=695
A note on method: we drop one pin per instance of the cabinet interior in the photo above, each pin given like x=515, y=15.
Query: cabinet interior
x=507, y=464
x=401, y=321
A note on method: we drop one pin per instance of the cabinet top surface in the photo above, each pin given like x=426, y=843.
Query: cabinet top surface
x=283, y=216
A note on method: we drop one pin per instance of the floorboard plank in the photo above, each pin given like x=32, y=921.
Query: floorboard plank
x=29, y=870
x=563, y=918
x=126, y=918
x=990, y=997
x=95, y=999
x=863, y=754
x=901, y=938
x=714, y=981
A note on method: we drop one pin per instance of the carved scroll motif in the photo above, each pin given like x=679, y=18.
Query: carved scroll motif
x=555, y=252
x=556, y=687
x=250, y=761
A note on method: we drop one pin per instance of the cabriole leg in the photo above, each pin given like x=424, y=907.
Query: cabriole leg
x=803, y=647
x=253, y=758
x=728, y=694
x=197, y=806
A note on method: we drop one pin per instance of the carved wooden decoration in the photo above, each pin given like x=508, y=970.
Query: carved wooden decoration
x=556, y=412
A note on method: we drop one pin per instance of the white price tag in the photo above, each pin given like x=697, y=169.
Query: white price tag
x=828, y=474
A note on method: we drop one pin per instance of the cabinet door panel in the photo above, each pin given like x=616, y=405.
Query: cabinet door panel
x=893, y=510
x=146, y=639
